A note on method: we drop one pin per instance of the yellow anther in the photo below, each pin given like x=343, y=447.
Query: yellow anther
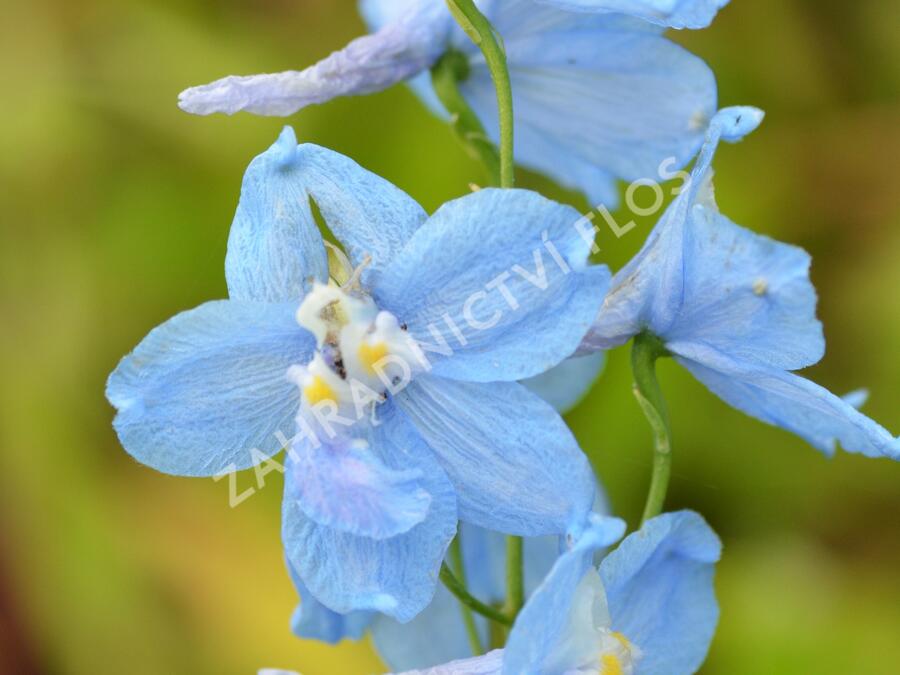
x=622, y=639
x=369, y=355
x=610, y=665
x=318, y=391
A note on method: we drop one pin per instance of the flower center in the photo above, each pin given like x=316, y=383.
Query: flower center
x=361, y=354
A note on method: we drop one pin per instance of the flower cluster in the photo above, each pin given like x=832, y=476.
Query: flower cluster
x=414, y=371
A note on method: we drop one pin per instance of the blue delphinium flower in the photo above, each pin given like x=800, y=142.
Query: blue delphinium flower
x=650, y=609
x=737, y=310
x=401, y=383
x=597, y=96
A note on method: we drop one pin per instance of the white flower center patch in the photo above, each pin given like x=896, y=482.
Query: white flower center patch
x=362, y=356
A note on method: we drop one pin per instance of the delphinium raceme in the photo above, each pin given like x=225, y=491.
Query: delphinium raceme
x=411, y=375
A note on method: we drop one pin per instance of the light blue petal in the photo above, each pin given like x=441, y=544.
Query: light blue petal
x=314, y=621
x=498, y=442
x=654, y=272
x=856, y=398
x=368, y=64
x=395, y=576
x=344, y=485
x=421, y=86
x=630, y=100
x=564, y=386
x=379, y=13
x=659, y=590
x=207, y=391
x=371, y=217
x=448, y=274
x=539, y=554
x=649, y=292
x=669, y=13
x=539, y=642
x=788, y=401
x=518, y=18
x=274, y=248
x=487, y=664
x=746, y=295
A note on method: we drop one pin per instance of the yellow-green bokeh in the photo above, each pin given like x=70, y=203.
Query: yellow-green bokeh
x=115, y=208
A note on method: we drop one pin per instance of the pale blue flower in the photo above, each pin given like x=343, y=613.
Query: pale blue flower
x=371, y=506
x=650, y=608
x=737, y=310
x=597, y=96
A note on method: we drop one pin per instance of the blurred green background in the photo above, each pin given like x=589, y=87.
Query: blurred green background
x=115, y=208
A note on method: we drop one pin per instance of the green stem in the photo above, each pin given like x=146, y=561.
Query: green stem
x=454, y=586
x=482, y=33
x=647, y=348
x=451, y=69
x=515, y=585
x=468, y=618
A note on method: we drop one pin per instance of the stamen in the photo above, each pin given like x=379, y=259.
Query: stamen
x=610, y=665
x=353, y=282
x=624, y=641
x=370, y=354
x=318, y=391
